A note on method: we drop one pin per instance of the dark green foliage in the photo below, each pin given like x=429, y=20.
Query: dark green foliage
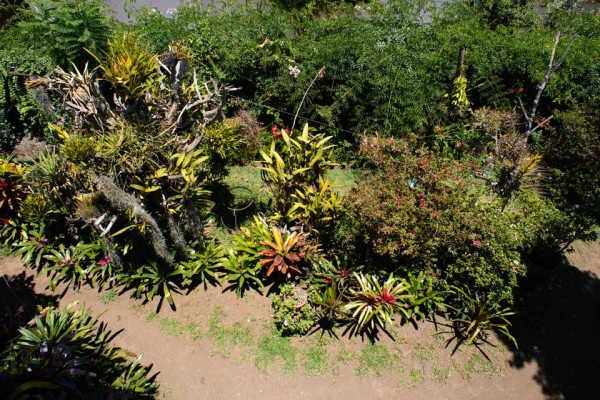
x=20, y=115
x=68, y=353
x=64, y=30
x=572, y=150
x=388, y=72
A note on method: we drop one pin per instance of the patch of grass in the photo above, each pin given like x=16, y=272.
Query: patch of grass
x=343, y=180
x=316, y=360
x=249, y=178
x=273, y=348
x=477, y=364
x=109, y=296
x=441, y=374
x=227, y=337
x=151, y=316
x=416, y=377
x=136, y=307
x=423, y=353
x=190, y=327
x=375, y=360
x=343, y=356
x=170, y=327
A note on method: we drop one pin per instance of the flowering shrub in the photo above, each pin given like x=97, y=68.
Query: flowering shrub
x=432, y=215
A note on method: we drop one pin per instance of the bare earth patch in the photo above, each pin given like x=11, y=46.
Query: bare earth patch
x=216, y=346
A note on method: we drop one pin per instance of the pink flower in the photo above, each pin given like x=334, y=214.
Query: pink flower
x=476, y=243
x=398, y=202
x=422, y=203
x=104, y=260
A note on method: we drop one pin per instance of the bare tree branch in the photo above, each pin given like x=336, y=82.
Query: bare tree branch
x=318, y=75
x=552, y=68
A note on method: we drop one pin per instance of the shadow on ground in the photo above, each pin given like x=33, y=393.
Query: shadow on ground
x=18, y=301
x=558, y=327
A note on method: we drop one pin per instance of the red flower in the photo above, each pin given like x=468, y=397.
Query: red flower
x=422, y=203
x=343, y=273
x=387, y=298
x=276, y=132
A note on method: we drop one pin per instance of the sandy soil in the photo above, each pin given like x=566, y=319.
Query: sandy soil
x=194, y=368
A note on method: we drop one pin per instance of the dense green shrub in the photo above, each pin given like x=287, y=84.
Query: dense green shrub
x=426, y=213
x=572, y=151
x=22, y=112
x=223, y=143
x=64, y=30
x=385, y=69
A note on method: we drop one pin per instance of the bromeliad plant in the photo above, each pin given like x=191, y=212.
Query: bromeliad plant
x=284, y=253
x=130, y=67
x=70, y=264
x=240, y=273
x=373, y=305
x=11, y=193
x=203, y=265
x=152, y=279
x=476, y=317
x=275, y=249
x=126, y=173
x=427, y=301
x=63, y=352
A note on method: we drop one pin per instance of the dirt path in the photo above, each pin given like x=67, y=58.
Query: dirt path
x=201, y=352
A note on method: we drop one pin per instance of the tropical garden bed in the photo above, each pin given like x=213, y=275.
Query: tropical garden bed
x=157, y=160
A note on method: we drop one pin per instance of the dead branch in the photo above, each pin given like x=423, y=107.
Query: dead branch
x=318, y=75
x=552, y=68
